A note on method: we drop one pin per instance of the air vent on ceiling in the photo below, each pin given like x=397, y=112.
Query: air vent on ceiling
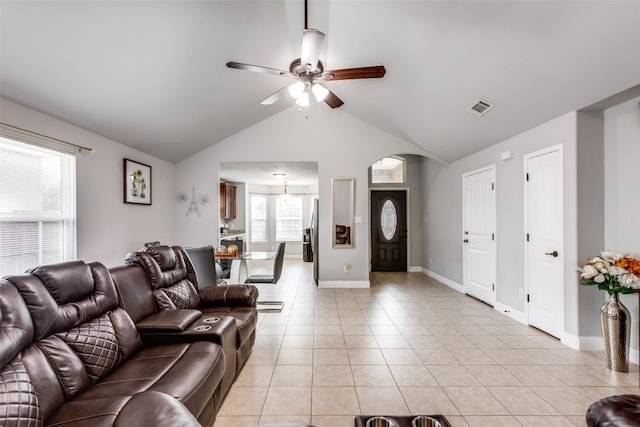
x=480, y=107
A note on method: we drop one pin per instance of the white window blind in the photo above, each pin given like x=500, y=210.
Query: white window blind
x=288, y=218
x=258, y=232
x=37, y=206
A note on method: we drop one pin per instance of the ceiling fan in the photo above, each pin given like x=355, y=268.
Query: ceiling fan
x=307, y=69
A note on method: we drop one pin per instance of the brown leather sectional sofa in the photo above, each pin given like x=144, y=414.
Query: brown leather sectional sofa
x=138, y=344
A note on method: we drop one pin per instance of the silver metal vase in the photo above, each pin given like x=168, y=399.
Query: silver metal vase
x=616, y=325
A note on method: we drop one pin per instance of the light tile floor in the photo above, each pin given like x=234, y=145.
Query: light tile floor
x=408, y=345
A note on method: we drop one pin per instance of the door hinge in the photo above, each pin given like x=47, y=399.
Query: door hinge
x=527, y=297
x=527, y=237
x=492, y=186
x=527, y=176
x=493, y=287
x=493, y=236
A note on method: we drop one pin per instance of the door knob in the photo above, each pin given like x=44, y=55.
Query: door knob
x=466, y=240
x=553, y=254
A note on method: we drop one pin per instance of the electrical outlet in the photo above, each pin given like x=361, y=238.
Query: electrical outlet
x=430, y=260
x=347, y=266
x=521, y=293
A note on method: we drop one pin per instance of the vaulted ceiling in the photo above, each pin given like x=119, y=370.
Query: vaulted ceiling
x=152, y=74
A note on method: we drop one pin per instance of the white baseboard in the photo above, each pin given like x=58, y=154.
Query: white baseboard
x=516, y=315
x=450, y=283
x=594, y=344
x=414, y=269
x=589, y=343
x=345, y=284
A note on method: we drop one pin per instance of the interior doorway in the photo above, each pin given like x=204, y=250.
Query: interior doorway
x=479, y=225
x=388, y=230
x=544, y=254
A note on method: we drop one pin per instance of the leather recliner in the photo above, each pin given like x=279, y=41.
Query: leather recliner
x=174, y=285
x=70, y=355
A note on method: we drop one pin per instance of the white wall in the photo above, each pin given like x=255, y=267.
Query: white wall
x=590, y=221
x=622, y=183
x=107, y=227
x=342, y=145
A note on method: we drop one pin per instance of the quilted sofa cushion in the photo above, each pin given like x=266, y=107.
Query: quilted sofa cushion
x=19, y=404
x=167, y=271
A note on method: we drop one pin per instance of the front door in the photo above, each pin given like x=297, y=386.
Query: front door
x=544, y=239
x=479, y=223
x=389, y=230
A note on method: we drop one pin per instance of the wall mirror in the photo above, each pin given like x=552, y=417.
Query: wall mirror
x=342, y=210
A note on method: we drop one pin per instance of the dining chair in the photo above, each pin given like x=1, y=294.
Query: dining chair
x=208, y=270
x=277, y=269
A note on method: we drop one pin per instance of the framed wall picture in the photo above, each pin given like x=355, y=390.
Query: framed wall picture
x=137, y=183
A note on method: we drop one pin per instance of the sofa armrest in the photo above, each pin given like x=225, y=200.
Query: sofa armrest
x=155, y=409
x=168, y=321
x=229, y=296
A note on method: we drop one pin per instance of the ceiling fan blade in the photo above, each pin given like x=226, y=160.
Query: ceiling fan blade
x=257, y=69
x=332, y=100
x=275, y=97
x=312, y=41
x=374, y=72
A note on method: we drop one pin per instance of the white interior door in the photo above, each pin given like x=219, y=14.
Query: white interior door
x=544, y=235
x=479, y=249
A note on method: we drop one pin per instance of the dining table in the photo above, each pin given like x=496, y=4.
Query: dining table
x=239, y=270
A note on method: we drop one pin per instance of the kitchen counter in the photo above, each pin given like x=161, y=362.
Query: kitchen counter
x=233, y=234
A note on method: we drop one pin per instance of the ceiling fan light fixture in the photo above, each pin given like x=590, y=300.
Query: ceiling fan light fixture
x=303, y=99
x=279, y=176
x=319, y=91
x=296, y=89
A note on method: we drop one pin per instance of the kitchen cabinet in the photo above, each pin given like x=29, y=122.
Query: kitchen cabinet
x=227, y=200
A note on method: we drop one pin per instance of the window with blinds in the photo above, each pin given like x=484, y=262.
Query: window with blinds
x=288, y=218
x=37, y=206
x=258, y=232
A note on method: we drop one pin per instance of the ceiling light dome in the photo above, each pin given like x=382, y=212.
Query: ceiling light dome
x=303, y=99
x=320, y=92
x=296, y=89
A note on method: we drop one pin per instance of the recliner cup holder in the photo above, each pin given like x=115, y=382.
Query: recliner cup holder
x=202, y=328
x=211, y=320
x=424, y=421
x=380, y=422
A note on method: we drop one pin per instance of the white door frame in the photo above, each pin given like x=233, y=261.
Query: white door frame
x=465, y=279
x=560, y=149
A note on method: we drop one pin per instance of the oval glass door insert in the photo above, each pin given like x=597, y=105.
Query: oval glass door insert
x=388, y=219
